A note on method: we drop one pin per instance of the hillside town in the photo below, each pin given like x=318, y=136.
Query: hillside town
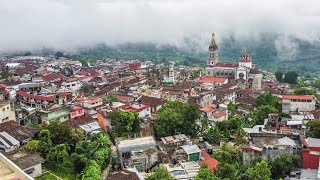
x=116, y=119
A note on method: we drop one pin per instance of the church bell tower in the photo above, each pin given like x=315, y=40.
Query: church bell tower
x=213, y=52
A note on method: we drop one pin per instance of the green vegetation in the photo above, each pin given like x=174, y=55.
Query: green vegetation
x=290, y=77
x=125, y=123
x=86, y=89
x=110, y=98
x=67, y=153
x=205, y=174
x=160, y=173
x=304, y=91
x=177, y=117
x=260, y=171
x=313, y=128
x=281, y=165
x=268, y=99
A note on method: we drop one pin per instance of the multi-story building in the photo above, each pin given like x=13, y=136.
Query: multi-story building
x=311, y=153
x=60, y=113
x=143, y=110
x=72, y=84
x=76, y=111
x=38, y=101
x=7, y=111
x=298, y=103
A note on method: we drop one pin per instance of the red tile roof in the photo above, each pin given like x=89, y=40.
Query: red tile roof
x=64, y=94
x=206, y=109
x=219, y=114
x=131, y=109
x=124, y=98
x=298, y=97
x=226, y=65
x=52, y=77
x=23, y=94
x=207, y=159
x=212, y=79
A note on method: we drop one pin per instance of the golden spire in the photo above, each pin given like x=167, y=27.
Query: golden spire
x=213, y=40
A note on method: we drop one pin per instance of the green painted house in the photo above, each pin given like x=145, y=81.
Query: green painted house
x=61, y=113
x=192, y=151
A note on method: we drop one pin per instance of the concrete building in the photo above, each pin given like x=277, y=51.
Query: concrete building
x=7, y=112
x=192, y=151
x=8, y=170
x=298, y=103
x=139, y=152
x=267, y=145
x=29, y=163
x=60, y=113
x=311, y=154
x=72, y=84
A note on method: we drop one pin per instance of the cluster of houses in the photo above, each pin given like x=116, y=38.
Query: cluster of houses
x=40, y=90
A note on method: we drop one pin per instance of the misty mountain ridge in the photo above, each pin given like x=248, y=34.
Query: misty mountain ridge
x=270, y=52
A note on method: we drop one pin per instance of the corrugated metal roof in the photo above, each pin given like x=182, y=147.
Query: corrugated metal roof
x=285, y=141
x=136, y=144
x=11, y=139
x=90, y=127
x=191, y=149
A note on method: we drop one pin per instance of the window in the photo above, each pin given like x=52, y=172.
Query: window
x=3, y=109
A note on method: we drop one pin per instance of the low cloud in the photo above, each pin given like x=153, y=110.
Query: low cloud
x=66, y=24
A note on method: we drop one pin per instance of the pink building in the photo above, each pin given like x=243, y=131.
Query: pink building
x=76, y=111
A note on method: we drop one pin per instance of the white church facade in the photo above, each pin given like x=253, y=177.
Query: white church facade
x=243, y=72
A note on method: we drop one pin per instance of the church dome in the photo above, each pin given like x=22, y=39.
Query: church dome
x=245, y=57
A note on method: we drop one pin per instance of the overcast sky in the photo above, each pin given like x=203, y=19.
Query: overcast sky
x=27, y=24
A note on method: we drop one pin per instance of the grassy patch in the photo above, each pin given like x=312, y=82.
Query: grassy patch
x=62, y=172
x=47, y=176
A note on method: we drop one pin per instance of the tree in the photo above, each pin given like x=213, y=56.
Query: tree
x=125, y=123
x=205, y=174
x=86, y=89
x=59, y=133
x=58, y=54
x=258, y=115
x=268, y=99
x=58, y=154
x=204, y=125
x=110, y=98
x=226, y=170
x=313, y=128
x=282, y=164
x=160, y=173
x=79, y=162
x=32, y=146
x=260, y=171
x=304, y=91
x=213, y=135
x=92, y=171
x=239, y=137
x=231, y=107
x=291, y=77
x=177, y=117
x=45, y=143
x=279, y=76
x=27, y=53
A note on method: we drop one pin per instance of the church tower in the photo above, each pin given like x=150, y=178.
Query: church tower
x=213, y=52
x=245, y=60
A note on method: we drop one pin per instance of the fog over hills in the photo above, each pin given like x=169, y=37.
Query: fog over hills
x=282, y=28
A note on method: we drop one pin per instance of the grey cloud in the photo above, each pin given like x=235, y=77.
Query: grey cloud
x=27, y=24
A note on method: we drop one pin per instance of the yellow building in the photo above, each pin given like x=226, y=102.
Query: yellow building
x=7, y=111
